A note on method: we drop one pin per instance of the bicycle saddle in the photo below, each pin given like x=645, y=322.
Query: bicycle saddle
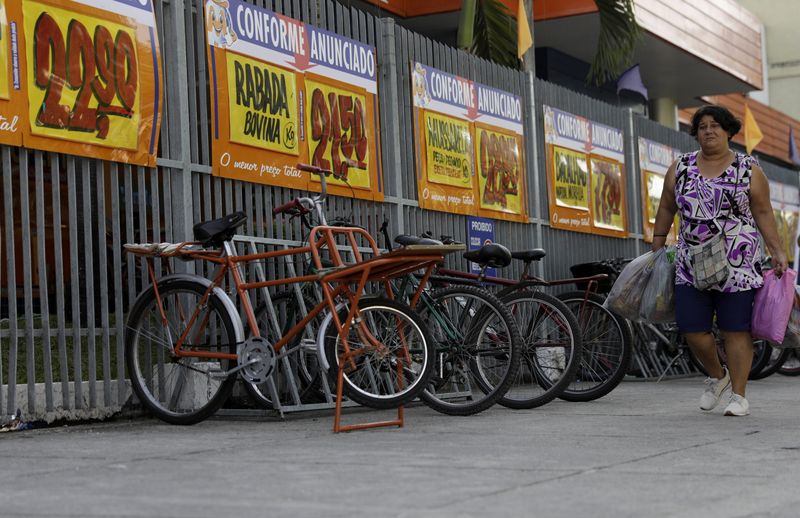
x=217, y=231
x=407, y=240
x=492, y=255
x=529, y=255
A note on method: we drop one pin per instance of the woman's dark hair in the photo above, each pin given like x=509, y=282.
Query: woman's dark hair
x=722, y=115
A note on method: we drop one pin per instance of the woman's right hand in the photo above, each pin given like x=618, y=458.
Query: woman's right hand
x=658, y=243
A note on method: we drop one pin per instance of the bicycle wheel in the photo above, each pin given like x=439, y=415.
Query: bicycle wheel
x=607, y=348
x=477, y=349
x=387, y=338
x=179, y=390
x=551, y=349
x=303, y=370
x=791, y=367
x=776, y=359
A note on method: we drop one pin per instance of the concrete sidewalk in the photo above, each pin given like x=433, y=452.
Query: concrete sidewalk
x=644, y=450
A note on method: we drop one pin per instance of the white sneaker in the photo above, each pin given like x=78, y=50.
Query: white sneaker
x=714, y=389
x=738, y=406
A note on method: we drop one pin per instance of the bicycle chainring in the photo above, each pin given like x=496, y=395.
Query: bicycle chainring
x=256, y=348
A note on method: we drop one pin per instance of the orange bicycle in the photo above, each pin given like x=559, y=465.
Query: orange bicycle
x=185, y=341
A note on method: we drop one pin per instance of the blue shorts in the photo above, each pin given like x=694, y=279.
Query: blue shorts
x=695, y=309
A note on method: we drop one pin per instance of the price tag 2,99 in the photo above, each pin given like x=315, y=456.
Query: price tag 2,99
x=82, y=76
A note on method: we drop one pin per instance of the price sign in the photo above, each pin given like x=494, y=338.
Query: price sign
x=92, y=78
x=83, y=77
x=338, y=132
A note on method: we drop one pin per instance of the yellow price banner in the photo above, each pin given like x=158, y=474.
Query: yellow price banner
x=83, y=78
x=654, y=184
x=499, y=167
x=608, y=205
x=263, y=105
x=338, y=133
x=448, y=149
x=571, y=178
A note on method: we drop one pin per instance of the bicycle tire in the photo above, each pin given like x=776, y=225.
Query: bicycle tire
x=303, y=366
x=791, y=366
x=146, y=353
x=551, y=350
x=775, y=360
x=607, y=348
x=359, y=381
x=477, y=349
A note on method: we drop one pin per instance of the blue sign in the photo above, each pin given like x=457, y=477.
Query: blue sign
x=480, y=231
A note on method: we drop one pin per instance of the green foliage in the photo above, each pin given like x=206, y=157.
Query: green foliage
x=495, y=33
x=488, y=30
x=619, y=34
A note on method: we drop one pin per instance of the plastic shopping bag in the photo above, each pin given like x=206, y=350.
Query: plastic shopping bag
x=658, y=302
x=792, y=338
x=625, y=297
x=772, y=306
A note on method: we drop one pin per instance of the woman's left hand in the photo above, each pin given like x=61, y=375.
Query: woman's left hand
x=779, y=263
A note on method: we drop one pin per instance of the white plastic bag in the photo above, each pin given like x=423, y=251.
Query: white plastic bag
x=658, y=303
x=625, y=297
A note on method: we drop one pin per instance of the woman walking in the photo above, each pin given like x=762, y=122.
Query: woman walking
x=718, y=191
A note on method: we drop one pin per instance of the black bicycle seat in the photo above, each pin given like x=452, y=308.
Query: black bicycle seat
x=492, y=255
x=529, y=255
x=407, y=240
x=217, y=231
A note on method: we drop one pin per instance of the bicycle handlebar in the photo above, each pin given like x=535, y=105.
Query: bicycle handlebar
x=289, y=207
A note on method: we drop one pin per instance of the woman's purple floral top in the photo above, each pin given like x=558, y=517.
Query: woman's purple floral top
x=706, y=204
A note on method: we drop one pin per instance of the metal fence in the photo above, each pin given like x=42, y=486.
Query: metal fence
x=66, y=283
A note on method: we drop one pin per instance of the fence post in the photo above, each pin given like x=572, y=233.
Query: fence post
x=632, y=158
x=532, y=165
x=390, y=117
x=181, y=180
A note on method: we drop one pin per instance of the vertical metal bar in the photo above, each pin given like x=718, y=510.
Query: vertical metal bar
x=130, y=233
x=3, y=174
x=8, y=202
x=75, y=283
x=119, y=313
x=41, y=254
x=27, y=276
x=88, y=258
x=58, y=263
x=102, y=269
x=632, y=164
x=391, y=141
x=182, y=181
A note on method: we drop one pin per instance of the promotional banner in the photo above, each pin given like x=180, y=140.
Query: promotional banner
x=92, y=77
x=284, y=92
x=13, y=104
x=786, y=208
x=585, y=174
x=654, y=161
x=469, y=157
x=480, y=231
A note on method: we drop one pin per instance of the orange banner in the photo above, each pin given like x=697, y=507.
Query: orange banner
x=284, y=92
x=92, y=78
x=585, y=174
x=12, y=97
x=469, y=154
